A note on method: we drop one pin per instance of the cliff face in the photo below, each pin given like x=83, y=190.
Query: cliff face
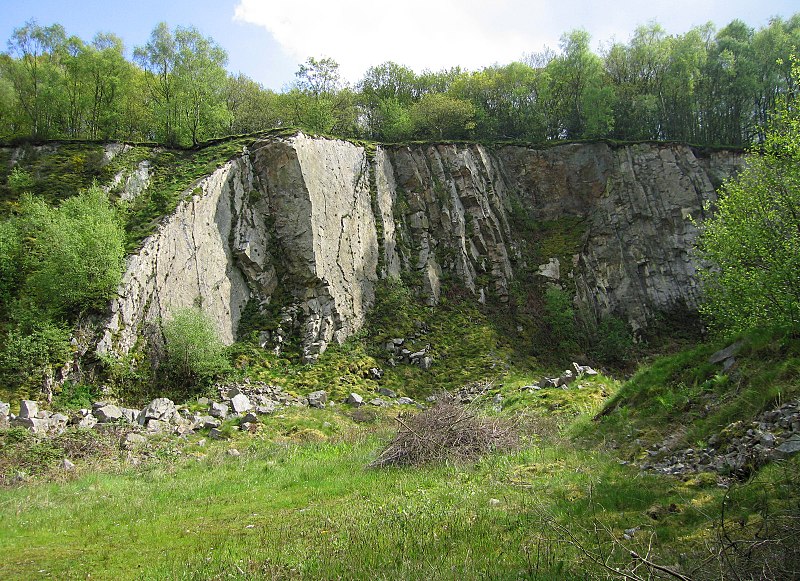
x=323, y=219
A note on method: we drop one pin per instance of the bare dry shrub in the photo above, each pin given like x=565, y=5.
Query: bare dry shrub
x=448, y=431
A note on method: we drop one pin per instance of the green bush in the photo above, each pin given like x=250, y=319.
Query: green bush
x=27, y=354
x=613, y=342
x=195, y=355
x=75, y=253
x=20, y=181
x=559, y=319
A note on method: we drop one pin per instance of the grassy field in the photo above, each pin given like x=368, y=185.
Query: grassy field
x=299, y=502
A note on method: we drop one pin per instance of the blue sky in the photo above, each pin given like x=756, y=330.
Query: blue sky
x=267, y=39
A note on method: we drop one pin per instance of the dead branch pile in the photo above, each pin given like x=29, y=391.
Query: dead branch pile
x=448, y=431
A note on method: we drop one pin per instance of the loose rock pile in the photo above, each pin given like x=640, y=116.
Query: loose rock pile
x=737, y=450
x=563, y=381
x=399, y=351
x=245, y=401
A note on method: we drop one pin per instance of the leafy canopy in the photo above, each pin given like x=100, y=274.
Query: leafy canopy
x=752, y=243
x=74, y=253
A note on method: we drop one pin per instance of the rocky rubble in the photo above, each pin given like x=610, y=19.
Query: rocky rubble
x=246, y=401
x=564, y=381
x=738, y=450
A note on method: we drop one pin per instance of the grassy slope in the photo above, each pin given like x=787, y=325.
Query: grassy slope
x=686, y=398
x=298, y=503
x=311, y=510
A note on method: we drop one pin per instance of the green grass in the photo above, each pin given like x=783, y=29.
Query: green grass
x=288, y=510
x=299, y=503
x=685, y=390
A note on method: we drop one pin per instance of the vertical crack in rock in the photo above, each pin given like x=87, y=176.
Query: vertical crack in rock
x=302, y=207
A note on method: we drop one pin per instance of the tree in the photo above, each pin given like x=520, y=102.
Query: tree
x=438, y=116
x=74, y=253
x=159, y=58
x=318, y=76
x=582, y=98
x=194, y=352
x=200, y=83
x=34, y=75
x=752, y=243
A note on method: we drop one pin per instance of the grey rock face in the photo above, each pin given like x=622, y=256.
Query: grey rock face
x=5, y=408
x=304, y=206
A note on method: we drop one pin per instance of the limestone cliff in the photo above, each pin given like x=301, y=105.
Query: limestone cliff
x=323, y=219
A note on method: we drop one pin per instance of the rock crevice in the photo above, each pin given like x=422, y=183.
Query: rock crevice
x=302, y=213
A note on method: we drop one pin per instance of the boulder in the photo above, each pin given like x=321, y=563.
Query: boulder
x=28, y=409
x=375, y=373
x=241, y=403
x=723, y=354
x=34, y=425
x=157, y=426
x=58, y=421
x=318, y=399
x=4, y=411
x=405, y=401
x=426, y=362
x=218, y=410
x=249, y=418
x=378, y=402
x=387, y=392
x=355, y=400
x=161, y=409
x=131, y=416
x=67, y=465
x=108, y=413
x=206, y=422
x=85, y=421
x=788, y=448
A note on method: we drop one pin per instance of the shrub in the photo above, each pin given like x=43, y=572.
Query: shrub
x=30, y=353
x=613, y=343
x=559, y=320
x=194, y=352
x=75, y=252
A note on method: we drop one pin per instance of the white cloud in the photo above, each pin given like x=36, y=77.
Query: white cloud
x=360, y=33
x=435, y=34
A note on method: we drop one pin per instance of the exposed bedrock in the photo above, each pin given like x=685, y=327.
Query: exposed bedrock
x=322, y=220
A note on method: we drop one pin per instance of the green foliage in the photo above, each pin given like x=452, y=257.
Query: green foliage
x=560, y=329
x=752, y=242
x=19, y=181
x=28, y=353
x=75, y=396
x=612, y=342
x=10, y=261
x=438, y=116
x=194, y=352
x=74, y=253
